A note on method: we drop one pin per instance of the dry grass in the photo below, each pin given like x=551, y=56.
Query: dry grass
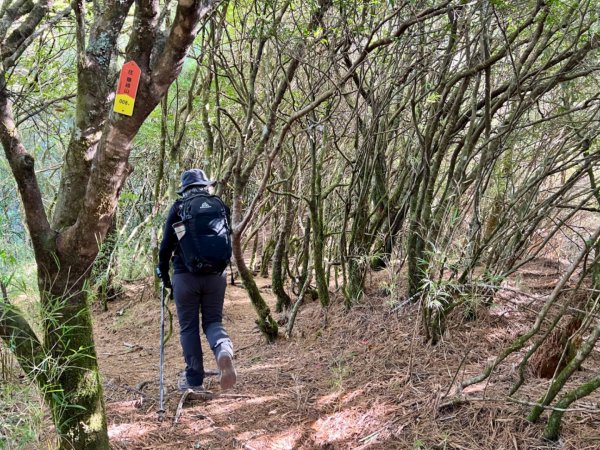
x=363, y=380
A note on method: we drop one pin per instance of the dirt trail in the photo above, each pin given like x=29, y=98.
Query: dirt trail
x=273, y=378
x=362, y=381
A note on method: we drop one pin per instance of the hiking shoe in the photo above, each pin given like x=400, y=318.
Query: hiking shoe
x=228, y=375
x=183, y=385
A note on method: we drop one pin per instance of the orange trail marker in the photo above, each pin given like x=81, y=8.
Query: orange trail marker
x=127, y=90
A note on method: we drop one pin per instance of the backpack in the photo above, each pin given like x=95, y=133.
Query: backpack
x=204, y=233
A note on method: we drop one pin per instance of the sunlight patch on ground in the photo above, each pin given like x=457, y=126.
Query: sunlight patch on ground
x=475, y=388
x=284, y=440
x=259, y=368
x=338, y=396
x=227, y=407
x=126, y=431
x=349, y=423
x=327, y=399
x=124, y=407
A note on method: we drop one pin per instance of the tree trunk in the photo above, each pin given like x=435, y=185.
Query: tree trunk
x=557, y=384
x=277, y=274
x=552, y=429
x=4, y=292
x=414, y=253
x=73, y=389
x=266, y=324
x=267, y=255
x=103, y=273
x=253, y=254
x=353, y=289
x=318, y=261
x=304, y=256
x=316, y=218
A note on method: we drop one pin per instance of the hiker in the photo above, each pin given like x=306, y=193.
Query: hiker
x=197, y=236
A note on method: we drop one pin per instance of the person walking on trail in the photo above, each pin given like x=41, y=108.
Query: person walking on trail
x=197, y=238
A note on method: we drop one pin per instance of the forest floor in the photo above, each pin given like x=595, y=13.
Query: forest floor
x=363, y=380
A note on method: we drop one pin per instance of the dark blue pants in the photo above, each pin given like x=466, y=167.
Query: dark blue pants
x=197, y=295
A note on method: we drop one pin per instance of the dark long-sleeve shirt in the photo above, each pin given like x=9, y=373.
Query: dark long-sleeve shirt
x=169, y=246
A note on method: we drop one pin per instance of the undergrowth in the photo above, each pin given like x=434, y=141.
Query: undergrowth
x=21, y=416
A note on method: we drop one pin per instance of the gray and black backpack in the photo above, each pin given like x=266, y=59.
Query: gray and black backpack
x=204, y=233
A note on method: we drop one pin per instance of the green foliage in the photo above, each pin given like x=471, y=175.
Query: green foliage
x=418, y=444
x=7, y=263
x=339, y=371
x=433, y=97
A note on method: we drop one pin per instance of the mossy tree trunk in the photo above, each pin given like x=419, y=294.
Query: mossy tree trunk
x=355, y=261
x=552, y=430
x=72, y=386
x=104, y=270
x=252, y=264
x=278, y=274
x=558, y=383
x=316, y=216
x=267, y=255
x=264, y=147
x=266, y=324
x=415, y=245
x=304, y=256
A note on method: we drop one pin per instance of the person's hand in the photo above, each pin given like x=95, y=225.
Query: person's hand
x=164, y=277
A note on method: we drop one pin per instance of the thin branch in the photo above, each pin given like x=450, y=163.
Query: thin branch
x=18, y=335
x=22, y=166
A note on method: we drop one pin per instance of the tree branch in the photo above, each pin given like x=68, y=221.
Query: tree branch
x=184, y=30
x=144, y=34
x=20, y=338
x=10, y=61
x=10, y=13
x=22, y=166
x=26, y=29
x=95, y=84
x=110, y=163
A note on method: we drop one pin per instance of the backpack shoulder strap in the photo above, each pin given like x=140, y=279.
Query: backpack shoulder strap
x=226, y=211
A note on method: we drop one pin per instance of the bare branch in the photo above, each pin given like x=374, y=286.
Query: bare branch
x=18, y=335
x=22, y=166
x=185, y=27
x=25, y=30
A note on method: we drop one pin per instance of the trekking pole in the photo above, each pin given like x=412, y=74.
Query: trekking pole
x=231, y=273
x=161, y=409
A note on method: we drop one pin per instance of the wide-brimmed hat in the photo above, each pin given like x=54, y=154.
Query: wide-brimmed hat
x=194, y=177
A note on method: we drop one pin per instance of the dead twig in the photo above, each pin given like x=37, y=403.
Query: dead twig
x=142, y=384
x=409, y=367
x=456, y=372
x=180, y=405
x=464, y=400
x=201, y=395
x=246, y=347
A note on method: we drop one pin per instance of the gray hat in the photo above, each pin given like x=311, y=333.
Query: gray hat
x=194, y=177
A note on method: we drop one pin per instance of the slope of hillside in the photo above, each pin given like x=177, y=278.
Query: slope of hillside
x=362, y=380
